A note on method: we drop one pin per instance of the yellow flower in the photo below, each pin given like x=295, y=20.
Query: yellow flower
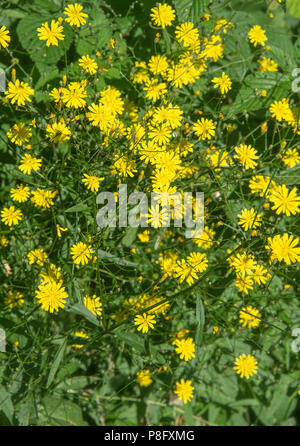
x=88, y=64
x=19, y=134
x=3, y=241
x=245, y=366
x=143, y=378
x=162, y=15
x=20, y=194
x=205, y=240
x=111, y=43
x=111, y=99
x=155, y=89
x=284, y=201
x=213, y=49
x=37, y=256
x=51, y=34
x=29, y=163
x=4, y=37
x=185, y=348
x=250, y=317
x=19, y=92
x=144, y=322
x=59, y=229
x=267, y=64
x=257, y=35
x=56, y=94
x=81, y=334
x=58, y=132
x=81, y=253
x=74, y=95
x=184, y=390
x=144, y=236
x=204, y=128
x=51, y=296
x=75, y=16
x=246, y=156
x=93, y=304
x=43, y=198
x=158, y=64
x=185, y=271
x=188, y=34
x=11, y=216
x=123, y=166
x=280, y=110
x=92, y=182
x=249, y=219
x=291, y=157
x=284, y=248
x=223, y=82
x=14, y=299
x=243, y=282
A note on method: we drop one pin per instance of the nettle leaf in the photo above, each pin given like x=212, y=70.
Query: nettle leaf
x=37, y=49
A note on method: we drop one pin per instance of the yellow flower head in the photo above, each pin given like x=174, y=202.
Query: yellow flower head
x=257, y=35
x=51, y=34
x=74, y=14
x=144, y=322
x=11, y=216
x=19, y=92
x=245, y=366
x=81, y=253
x=4, y=37
x=250, y=317
x=143, y=378
x=184, y=390
x=162, y=15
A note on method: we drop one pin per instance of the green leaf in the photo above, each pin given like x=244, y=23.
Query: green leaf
x=132, y=339
x=200, y=317
x=129, y=237
x=84, y=312
x=111, y=258
x=293, y=7
x=56, y=362
x=37, y=49
x=6, y=405
x=80, y=207
x=190, y=10
x=62, y=412
x=188, y=412
x=13, y=13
